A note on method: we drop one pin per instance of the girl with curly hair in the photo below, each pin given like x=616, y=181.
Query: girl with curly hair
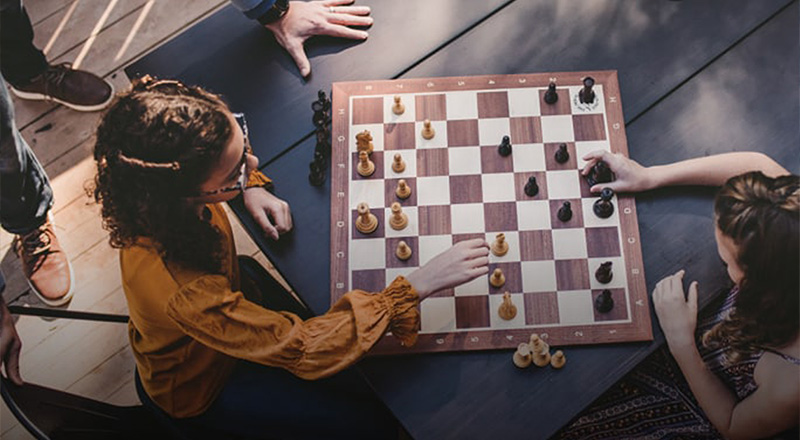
x=741, y=379
x=168, y=155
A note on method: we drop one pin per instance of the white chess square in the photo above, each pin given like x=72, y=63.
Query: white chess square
x=569, y=244
x=533, y=215
x=498, y=187
x=585, y=147
x=369, y=191
x=591, y=220
x=557, y=128
x=529, y=157
x=575, y=307
x=433, y=245
x=409, y=157
x=467, y=218
x=512, y=238
x=412, y=229
x=376, y=130
x=492, y=130
x=538, y=276
x=577, y=108
x=523, y=102
x=563, y=184
x=433, y=190
x=437, y=315
x=367, y=253
x=619, y=278
x=462, y=105
x=439, y=139
x=464, y=160
x=478, y=286
x=408, y=115
x=498, y=322
x=392, y=273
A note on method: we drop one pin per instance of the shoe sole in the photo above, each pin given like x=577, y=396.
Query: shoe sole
x=81, y=108
x=58, y=301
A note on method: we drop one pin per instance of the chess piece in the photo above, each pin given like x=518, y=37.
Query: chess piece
x=365, y=166
x=565, y=212
x=403, y=251
x=586, y=95
x=603, y=273
x=551, y=96
x=427, y=130
x=507, y=310
x=500, y=245
x=531, y=188
x=403, y=191
x=562, y=155
x=558, y=359
x=399, y=218
x=398, y=165
x=316, y=174
x=398, y=108
x=541, y=351
x=320, y=108
x=604, y=302
x=497, y=279
x=364, y=142
x=603, y=207
x=366, y=223
x=505, y=146
x=599, y=173
x=523, y=356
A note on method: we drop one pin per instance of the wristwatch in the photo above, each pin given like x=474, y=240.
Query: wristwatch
x=278, y=10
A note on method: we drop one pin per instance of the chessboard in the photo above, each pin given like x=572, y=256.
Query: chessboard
x=481, y=156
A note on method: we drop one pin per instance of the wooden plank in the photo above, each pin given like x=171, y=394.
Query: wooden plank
x=41, y=9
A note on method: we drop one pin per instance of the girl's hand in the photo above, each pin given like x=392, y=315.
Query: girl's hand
x=463, y=262
x=676, y=315
x=270, y=212
x=630, y=176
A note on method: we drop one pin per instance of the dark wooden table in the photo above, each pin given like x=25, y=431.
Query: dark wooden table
x=697, y=78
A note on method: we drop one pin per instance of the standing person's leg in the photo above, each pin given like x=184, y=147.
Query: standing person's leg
x=25, y=201
x=32, y=77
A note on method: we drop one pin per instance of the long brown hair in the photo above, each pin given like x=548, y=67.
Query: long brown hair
x=761, y=215
x=157, y=143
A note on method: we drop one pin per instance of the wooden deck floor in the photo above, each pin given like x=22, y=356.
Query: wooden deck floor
x=102, y=36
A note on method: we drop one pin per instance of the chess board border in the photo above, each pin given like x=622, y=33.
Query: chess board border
x=638, y=329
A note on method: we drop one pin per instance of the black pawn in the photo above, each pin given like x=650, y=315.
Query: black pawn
x=603, y=207
x=551, y=96
x=316, y=174
x=531, y=188
x=562, y=155
x=599, y=173
x=505, y=147
x=603, y=274
x=565, y=212
x=604, y=302
x=586, y=95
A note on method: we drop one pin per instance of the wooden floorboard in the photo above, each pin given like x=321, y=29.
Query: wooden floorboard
x=102, y=36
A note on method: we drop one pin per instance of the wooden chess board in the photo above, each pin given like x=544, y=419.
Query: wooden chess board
x=462, y=188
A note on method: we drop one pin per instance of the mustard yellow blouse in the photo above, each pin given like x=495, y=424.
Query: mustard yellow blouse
x=187, y=328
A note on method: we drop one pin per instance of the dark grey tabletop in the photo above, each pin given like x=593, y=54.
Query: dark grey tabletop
x=696, y=79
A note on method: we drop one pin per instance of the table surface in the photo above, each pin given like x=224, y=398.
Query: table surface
x=688, y=89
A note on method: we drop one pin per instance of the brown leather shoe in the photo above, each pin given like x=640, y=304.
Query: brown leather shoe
x=45, y=265
x=77, y=89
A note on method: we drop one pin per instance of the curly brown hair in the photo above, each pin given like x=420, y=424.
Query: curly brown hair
x=156, y=144
x=761, y=215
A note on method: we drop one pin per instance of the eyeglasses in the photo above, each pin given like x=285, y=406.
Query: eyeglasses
x=242, y=180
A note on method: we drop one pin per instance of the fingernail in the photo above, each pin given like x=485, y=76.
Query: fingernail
x=364, y=35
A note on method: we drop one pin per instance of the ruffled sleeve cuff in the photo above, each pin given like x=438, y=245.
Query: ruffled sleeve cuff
x=403, y=302
x=258, y=179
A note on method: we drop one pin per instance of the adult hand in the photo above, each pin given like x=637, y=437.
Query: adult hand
x=10, y=344
x=270, y=212
x=630, y=176
x=463, y=262
x=303, y=20
x=676, y=314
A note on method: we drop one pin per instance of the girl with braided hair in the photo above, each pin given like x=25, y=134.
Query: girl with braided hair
x=741, y=378
x=207, y=353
